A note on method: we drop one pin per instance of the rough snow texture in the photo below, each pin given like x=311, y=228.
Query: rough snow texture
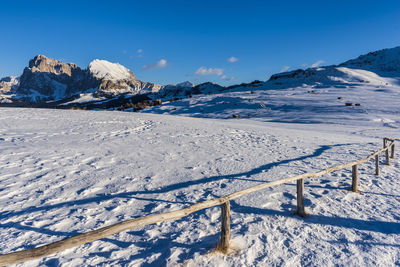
x=68, y=172
x=103, y=69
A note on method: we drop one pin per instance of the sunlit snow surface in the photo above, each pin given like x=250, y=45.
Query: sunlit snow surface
x=112, y=71
x=66, y=172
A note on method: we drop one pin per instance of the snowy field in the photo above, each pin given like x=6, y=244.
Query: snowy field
x=67, y=172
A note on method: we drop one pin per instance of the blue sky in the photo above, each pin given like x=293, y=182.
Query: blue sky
x=172, y=41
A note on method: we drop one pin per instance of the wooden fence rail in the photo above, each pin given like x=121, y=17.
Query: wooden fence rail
x=223, y=245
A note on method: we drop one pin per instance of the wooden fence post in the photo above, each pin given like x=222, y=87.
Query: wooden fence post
x=386, y=152
x=392, y=154
x=377, y=164
x=354, y=182
x=223, y=245
x=300, y=198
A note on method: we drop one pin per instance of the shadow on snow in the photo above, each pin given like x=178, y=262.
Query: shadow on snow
x=104, y=197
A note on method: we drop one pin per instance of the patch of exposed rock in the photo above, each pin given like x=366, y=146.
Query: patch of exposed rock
x=8, y=83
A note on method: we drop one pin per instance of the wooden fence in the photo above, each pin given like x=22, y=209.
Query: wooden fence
x=223, y=245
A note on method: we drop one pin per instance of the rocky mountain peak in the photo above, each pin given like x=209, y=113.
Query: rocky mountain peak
x=41, y=63
x=49, y=79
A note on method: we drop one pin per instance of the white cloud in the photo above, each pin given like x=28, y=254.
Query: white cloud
x=209, y=71
x=285, y=68
x=162, y=63
x=316, y=64
x=139, y=51
x=224, y=77
x=232, y=59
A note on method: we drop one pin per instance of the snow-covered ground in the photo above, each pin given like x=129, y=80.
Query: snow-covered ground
x=66, y=172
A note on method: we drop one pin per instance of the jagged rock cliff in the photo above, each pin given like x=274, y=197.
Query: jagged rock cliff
x=48, y=79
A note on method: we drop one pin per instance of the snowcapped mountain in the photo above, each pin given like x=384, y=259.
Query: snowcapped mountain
x=48, y=79
x=51, y=81
x=114, y=79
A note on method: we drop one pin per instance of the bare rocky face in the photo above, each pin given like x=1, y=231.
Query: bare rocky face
x=41, y=63
x=50, y=79
x=47, y=79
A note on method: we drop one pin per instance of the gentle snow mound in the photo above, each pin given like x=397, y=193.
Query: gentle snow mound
x=104, y=69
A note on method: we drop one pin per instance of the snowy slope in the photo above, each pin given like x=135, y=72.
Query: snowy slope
x=385, y=62
x=66, y=172
x=378, y=100
x=328, y=76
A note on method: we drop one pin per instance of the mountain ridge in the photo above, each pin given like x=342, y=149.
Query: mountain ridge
x=48, y=80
